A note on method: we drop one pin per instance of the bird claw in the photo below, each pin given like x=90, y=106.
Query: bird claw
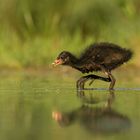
x=80, y=86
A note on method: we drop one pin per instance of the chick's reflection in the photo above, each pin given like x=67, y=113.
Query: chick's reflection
x=95, y=119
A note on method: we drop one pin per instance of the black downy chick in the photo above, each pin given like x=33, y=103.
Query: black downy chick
x=97, y=57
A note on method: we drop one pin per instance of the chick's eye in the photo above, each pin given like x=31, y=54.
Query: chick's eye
x=61, y=57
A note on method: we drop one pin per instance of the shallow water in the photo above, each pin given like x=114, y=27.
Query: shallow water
x=43, y=107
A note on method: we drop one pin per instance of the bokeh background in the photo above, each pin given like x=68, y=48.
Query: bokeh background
x=33, y=32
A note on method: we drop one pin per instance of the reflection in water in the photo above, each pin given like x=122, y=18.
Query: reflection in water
x=101, y=119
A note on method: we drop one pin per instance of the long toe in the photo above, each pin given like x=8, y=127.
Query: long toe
x=80, y=84
x=91, y=82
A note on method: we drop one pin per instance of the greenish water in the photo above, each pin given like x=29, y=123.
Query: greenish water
x=42, y=107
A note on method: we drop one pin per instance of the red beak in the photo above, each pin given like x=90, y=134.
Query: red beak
x=57, y=62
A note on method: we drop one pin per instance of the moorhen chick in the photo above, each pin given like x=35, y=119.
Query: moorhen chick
x=97, y=57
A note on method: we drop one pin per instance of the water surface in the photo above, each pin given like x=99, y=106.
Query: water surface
x=43, y=107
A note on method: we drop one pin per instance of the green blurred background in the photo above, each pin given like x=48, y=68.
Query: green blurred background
x=33, y=32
